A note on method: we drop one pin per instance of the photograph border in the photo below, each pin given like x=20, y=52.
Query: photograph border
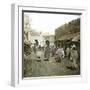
x=17, y=48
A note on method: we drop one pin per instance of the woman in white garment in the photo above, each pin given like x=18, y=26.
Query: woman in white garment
x=59, y=54
x=47, y=51
x=74, y=55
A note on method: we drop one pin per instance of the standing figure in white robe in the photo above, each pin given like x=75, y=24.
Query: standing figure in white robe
x=74, y=56
x=47, y=51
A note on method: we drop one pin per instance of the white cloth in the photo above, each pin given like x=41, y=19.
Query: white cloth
x=67, y=52
x=74, y=57
x=60, y=53
x=39, y=53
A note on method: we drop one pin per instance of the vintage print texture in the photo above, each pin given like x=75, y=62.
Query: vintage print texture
x=51, y=44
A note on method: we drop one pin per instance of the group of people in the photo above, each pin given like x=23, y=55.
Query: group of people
x=58, y=52
x=70, y=53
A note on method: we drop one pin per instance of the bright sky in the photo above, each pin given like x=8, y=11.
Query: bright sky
x=49, y=22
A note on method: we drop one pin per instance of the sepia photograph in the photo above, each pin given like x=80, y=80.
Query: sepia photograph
x=51, y=43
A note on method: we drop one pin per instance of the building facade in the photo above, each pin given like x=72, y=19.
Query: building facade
x=27, y=35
